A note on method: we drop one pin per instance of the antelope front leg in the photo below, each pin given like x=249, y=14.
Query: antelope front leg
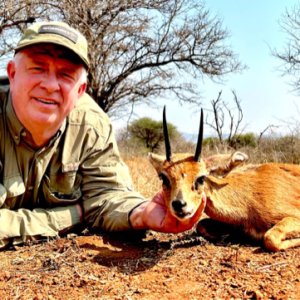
x=285, y=234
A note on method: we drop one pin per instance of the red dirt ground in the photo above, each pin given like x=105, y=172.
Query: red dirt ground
x=157, y=266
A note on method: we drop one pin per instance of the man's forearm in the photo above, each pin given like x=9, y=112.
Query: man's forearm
x=23, y=224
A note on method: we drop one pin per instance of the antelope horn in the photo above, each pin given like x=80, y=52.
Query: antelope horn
x=200, y=139
x=166, y=136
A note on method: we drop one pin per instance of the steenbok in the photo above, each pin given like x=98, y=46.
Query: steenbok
x=263, y=200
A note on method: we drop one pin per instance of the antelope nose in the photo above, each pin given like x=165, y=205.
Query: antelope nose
x=178, y=205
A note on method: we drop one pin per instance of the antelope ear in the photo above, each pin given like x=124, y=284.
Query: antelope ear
x=239, y=158
x=216, y=182
x=222, y=164
x=156, y=160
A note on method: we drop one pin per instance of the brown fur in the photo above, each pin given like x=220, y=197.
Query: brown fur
x=263, y=200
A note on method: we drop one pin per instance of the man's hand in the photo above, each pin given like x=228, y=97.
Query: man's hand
x=154, y=215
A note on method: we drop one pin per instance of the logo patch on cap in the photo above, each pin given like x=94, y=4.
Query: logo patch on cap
x=59, y=30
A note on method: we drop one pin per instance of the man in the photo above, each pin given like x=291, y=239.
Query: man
x=59, y=163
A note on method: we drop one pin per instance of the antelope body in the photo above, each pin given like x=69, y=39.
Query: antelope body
x=263, y=200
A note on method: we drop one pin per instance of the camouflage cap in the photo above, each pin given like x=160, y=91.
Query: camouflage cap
x=58, y=33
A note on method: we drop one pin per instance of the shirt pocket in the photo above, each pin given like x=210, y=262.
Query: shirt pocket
x=62, y=188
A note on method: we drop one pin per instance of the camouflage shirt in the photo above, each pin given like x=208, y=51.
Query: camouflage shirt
x=39, y=189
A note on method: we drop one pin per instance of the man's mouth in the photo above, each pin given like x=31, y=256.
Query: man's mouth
x=46, y=101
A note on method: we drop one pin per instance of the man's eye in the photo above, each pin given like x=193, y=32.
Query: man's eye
x=66, y=75
x=36, y=68
x=165, y=180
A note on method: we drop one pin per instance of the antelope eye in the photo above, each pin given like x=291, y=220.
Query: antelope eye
x=199, y=181
x=165, y=180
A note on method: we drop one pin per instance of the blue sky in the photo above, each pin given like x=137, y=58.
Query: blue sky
x=266, y=97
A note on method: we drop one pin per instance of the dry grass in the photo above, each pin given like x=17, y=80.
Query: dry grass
x=271, y=147
x=144, y=176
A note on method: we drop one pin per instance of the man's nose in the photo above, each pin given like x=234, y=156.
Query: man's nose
x=50, y=82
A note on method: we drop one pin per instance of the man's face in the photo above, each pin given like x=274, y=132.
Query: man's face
x=45, y=84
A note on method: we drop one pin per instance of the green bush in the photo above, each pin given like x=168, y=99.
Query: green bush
x=243, y=140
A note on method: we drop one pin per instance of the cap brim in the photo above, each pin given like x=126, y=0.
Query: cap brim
x=47, y=41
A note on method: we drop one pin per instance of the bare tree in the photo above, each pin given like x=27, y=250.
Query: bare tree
x=225, y=115
x=290, y=55
x=264, y=131
x=141, y=50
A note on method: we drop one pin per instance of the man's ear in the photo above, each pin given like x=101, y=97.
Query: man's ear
x=11, y=70
x=81, y=89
